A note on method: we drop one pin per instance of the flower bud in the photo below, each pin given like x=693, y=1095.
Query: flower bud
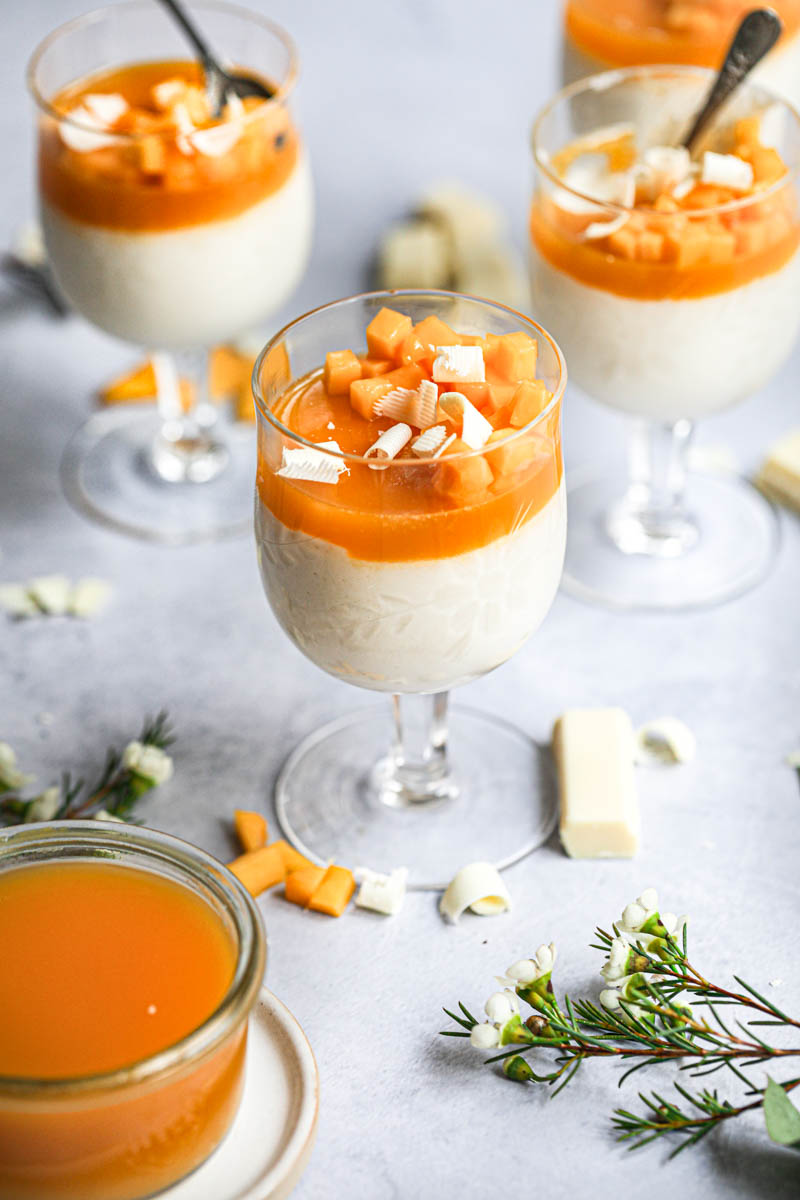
x=517, y=1068
x=545, y=958
x=648, y=899
x=609, y=998
x=501, y=1007
x=148, y=762
x=11, y=777
x=45, y=806
x=484, y=1036
x=633, y=917
x=619, y=954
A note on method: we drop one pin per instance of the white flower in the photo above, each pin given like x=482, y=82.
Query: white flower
x=485, y=1036
x=11, y=777
x=501, y=1007
x=617, y=964
x=633, y=918
x=44, y=807
x=103, y=814
x=648, y=899
x=528, y=970
x=149, y=762
x=524, y=971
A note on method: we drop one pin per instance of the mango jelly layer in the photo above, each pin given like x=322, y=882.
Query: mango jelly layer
x=103, y=965
x=678, y=250
x=629, y=33
x=397, y=515
x=145, y=182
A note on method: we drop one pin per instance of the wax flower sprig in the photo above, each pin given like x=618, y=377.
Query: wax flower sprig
x=656, y=1007
x=126, y=776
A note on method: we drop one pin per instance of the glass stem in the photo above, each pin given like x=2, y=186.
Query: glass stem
x=184, y=450
x=417, y=767
x=652, y=517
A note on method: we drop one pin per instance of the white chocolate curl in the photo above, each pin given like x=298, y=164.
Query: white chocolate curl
x=98, y=112
x=424, y=445
x=396, y=404
x=459, y=364
x=447, y=442
x=312, y=465
x=727, y=170
x=477, y=887
x=475, y=429
x=216, y=141
x=388, y=446
x=423, y=408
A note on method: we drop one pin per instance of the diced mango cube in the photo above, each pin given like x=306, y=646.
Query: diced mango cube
x=370, y=367
x=301, y=885
x=500, y=396
x=152, y=155
x=341, y=369
x=251, y=829
x=530, y=398
x=514, y=356
x=334, y=892
x=259, y=870
x=410, y=376
x=462, y=480
x=623, y=242
x=433, y=332
x=650, y=246
x=293, y=860
x=364, y=394
x=386, y=331
x=515, y=453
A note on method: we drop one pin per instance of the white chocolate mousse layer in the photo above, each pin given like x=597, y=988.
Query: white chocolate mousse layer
x=417, y=626
x=186, y=287
x=670, y=359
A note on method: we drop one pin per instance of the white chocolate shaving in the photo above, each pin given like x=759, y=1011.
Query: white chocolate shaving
x=215, y=141
x=667, y=166
x=388, y=446
x=459, y=364
x=381, y=893
x=727, y=170
x=475, y=429
x=447, y=442
x=88, y=597
x=16, y=601
x=166, y=93
x=312, y=465
x=50, y=594
x=106, y=107
x=665, y=740
x=477, y=887
x=681, y=190
x=424, y=445
x=423, y=409
x=624, y=193
x=81, y=139
x=396, y=404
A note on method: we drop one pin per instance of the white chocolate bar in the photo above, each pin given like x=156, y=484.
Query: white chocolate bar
x=780, y=474
x=594, y=751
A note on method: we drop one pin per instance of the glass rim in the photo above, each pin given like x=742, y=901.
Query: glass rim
x=604, y=80
x=30, y=843
x=398, y=294
x=95, y=15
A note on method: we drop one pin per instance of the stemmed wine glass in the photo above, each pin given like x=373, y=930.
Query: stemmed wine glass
x=173, y=234
x=386, y=583
x=669, y=314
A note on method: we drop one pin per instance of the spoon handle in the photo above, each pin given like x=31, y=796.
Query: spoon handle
x=208, y=60
x=757, y=34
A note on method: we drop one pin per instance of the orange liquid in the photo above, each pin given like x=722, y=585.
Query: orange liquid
x=102, y=966
x=112, y=186
x=622, y=33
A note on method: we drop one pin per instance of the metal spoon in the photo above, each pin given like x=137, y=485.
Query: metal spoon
x=757, y=34
x=219, y=82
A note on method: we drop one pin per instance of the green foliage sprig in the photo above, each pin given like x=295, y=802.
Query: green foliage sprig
x=658, y=1008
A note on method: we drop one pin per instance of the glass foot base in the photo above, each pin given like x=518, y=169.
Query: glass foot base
x=330, y=806
x=736, y=542
x=109, y=474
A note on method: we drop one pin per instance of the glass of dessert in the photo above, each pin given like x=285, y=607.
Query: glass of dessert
x=131, y=963
x=671, y=283
x=173, y=223
x=600, y=34
x=410, y=529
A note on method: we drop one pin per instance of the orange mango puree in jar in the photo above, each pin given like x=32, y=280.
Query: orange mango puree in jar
x=159, y=161
x=431, y=504
x=622, y=33
x=698, y=239
x=105, y=966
